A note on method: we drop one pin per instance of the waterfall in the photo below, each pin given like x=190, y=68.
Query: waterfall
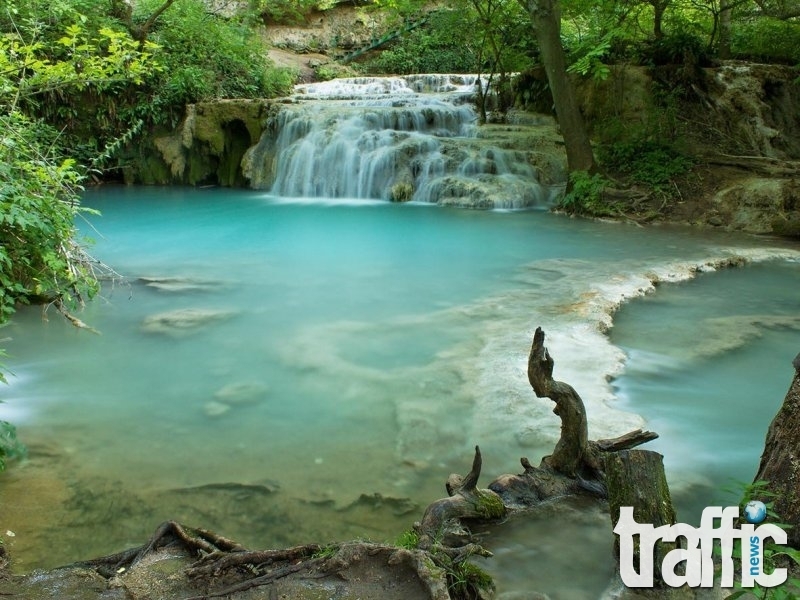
x=411, y=138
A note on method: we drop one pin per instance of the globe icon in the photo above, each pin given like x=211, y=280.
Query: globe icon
x=755, y=511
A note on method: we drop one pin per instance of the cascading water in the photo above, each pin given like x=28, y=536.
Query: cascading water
x=394, y=138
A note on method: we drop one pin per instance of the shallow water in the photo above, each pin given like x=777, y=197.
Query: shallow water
x=360, y=350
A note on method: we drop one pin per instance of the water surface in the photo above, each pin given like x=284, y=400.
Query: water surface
x=356, y=352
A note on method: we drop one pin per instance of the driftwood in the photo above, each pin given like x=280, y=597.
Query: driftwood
x=577, y=466
x=464, y=501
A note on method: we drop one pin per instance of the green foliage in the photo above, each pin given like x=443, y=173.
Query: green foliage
x=286, y=11
x=585, y=195
x=464, y=579
x=651, y=162
x=767, y=39
x=676, y=48
x=39, y=257
x=10, y=446
x=588, y=56
x=775, y=555
x=332, y=70
x=205, y=56
x=104, y=86
x=409, y=540
x=437, y=47
x=473, y=36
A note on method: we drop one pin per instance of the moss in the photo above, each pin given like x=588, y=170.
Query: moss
x=402, y=192
x=149, y=170
x=786, y=226
x=490, y=506
x=465, y=579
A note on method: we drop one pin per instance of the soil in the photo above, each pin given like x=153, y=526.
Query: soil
x=304, y=64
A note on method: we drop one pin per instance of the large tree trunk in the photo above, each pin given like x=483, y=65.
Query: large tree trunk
x=780, y=462
x=546, y=17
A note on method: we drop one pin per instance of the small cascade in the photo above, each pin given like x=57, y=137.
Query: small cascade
x=408, y=138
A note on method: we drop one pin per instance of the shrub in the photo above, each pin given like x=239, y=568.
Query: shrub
x=585, y=195
x=649, y=162
x=436, y=47
x=678, y=48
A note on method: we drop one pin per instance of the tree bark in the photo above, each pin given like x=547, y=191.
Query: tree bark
x=572, y=448
x=659, y=8
x=546, y=17
x=725, y=29
x=780, y=462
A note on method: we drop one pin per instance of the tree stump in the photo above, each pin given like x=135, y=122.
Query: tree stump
x=636, y=478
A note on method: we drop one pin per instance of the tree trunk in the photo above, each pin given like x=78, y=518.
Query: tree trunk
x=724, y=45
x=780, y=462
x=658, y=17
x=546, y=17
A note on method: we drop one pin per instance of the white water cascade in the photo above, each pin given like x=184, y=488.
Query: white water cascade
x=411, y=138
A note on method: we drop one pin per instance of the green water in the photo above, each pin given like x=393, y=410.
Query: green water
x=360, y=350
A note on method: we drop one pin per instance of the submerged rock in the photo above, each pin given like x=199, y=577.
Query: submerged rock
x=183, y=320
x=245, y=392
x=215, y=409
x=178, y=284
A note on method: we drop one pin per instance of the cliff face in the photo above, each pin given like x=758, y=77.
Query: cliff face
x=741, y=123
x=206, y=148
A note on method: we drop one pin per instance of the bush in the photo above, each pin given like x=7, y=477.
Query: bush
x=39, y=257
x=585, y=195
x=436, y=47
x=653, y=163
x=678, y=48
x=205, y=56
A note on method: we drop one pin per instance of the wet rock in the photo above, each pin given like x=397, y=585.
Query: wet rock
x=68, y=584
